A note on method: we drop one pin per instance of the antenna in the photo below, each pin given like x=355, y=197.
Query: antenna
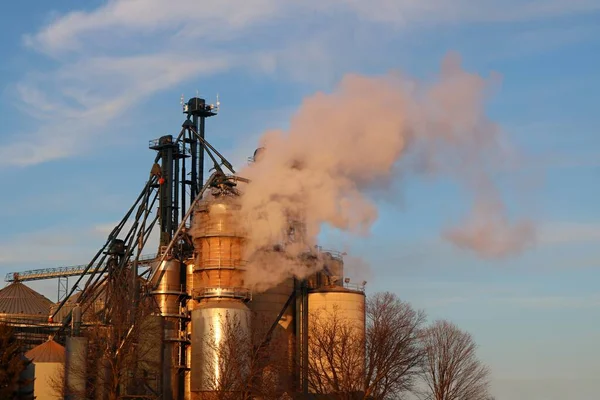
x=182, y=102
x=215, y=107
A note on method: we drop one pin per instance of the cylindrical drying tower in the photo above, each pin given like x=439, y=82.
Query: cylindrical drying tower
x=218, y=240
x=220, y=314
x=339, y=310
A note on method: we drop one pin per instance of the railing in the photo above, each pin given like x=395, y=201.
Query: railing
x=221, y=263
x=164, y=288
x=222, y=292
x=154, y=143
x=173, y=310
x=354, y=286
x=336, y=255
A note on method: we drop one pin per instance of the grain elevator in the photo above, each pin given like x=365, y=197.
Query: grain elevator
x=196, y=288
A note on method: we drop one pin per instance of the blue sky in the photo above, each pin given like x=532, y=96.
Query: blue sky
x=84, y=89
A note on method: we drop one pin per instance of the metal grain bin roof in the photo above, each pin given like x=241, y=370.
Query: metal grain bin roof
x=48, y=352
x=18, y=300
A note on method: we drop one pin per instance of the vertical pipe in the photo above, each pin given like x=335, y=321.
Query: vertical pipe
x=194, y=150
x=201, y=154
x=183, y=177
x=305, y=338
x=164, y=362
x=181, y=332
x=176, y=162
x=299, y=335
x=301, y=322
x=169, y=193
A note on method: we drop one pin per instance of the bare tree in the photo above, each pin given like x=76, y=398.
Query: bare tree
x=120, y=358
x=452, y=370
x=379, y=361
x=394, y=353
x=124, y=357
x=13, y=364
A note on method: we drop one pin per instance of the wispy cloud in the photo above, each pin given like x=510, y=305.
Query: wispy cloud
x=111, y=58
x=84, y=96
x=229, y=19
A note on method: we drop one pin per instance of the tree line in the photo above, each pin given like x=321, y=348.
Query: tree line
x=397, y=355
x=404, y=357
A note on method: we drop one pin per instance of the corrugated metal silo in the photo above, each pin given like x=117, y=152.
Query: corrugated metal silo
x=347, y=307
x=19, y=302
x=212, y=321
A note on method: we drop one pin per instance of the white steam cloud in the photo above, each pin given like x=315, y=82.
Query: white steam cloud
x=343, y=145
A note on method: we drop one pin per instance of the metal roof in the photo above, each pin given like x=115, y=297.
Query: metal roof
x=48, y=352
x=17, y=299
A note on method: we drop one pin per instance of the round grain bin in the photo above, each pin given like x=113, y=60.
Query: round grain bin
x=337, y=313
x=21, y=303
x=49, y=361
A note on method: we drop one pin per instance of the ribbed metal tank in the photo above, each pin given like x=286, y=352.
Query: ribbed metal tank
x=23, y=305
x=265, y=308
x=218, y=241
x=19, y=302
x=348, y=306
x=211, y=320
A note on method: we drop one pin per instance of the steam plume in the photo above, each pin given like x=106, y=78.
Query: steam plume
x=343, y=145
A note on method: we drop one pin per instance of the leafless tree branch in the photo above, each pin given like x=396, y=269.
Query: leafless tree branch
x=452, y=370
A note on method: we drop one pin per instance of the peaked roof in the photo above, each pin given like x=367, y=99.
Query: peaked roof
x=48, y=352
x=20, y=300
